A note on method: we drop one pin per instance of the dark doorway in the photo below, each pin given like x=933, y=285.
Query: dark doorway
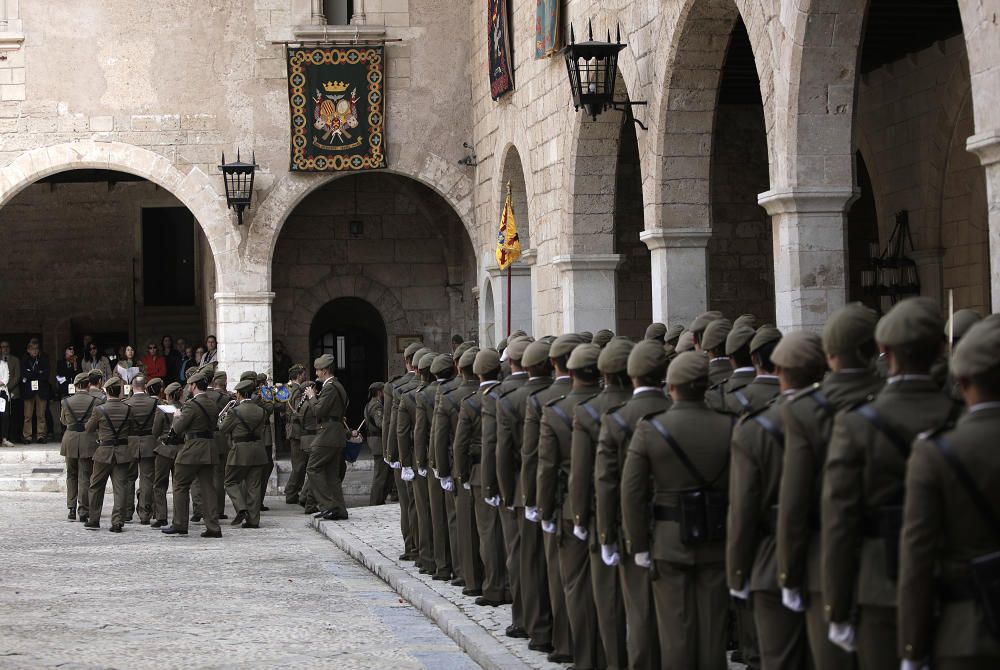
x=168, y=257
x=862, y=237
x=352, y=331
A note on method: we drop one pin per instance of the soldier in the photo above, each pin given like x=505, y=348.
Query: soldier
x=558, y=354
x=268, y=440
x=674, y=333
x=76, y=411
x=951, y=530
x=146, y=427
x=373, y=423
x=684, y=454
x=698, y=326
x=405, y=423
x=602, y=337
x=329, y=405
x=112, y=458
x=391, y=449
x=647, y=366
x=738, y=351
x=713, y=342
x=165, y=453
x=446, y=559
x=755, y=477
x=423, y=399
x=600, y=579
x=246, y=460
x=293, y=434
x=748, y=320
x=849, y=344
x=756, y=395
x=555, y=453
x=656, y=331
x=196, y=458
x=221, y=397
x=310, y=428
x=863, y=483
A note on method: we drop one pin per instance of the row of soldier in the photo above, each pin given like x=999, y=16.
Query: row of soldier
x=633, y=500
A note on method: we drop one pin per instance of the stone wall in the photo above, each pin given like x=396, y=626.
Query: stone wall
x=634, y=289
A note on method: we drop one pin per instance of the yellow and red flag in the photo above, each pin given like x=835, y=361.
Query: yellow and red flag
x=508, y=244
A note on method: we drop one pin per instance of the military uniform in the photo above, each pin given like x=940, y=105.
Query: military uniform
x=196, y=459
x=328, y=447
x=406, y=415
x=147, y=425
x=380, y=471
x=246, y=459
x=112, y=458
x=428, y=554
x=293, y=434
x=459, y=468
x=165, y=453
x=310, y=428
x=395, y=388
x=221, y=398
x=445, y=527
x=78, y=445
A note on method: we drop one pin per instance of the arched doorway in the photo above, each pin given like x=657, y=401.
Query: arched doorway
x=354, y=333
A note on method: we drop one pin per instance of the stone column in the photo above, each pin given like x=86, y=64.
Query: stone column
x=589, y=295
x=359, y=17
x=987, y=147
x=318, y=18
x=243, y=322
x=679, y=263
x=809, y=227
x=521, y=292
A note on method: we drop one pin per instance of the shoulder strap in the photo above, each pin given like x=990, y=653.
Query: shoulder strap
x=622, y=423
x=535, y=402
x=473, y=403
x=204, y=411
x=681, y=456
x=821, y=400
x=978, y=499
x=251, y=431
x=507, y=404
x=874, y=419
x=148, y=421
x=86, y=415
x=770, y=427
x=562, y=415
x=117, y=431
x=742, y=400
x=591, y=412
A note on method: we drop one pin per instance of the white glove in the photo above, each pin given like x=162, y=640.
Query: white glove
x=581, y=533
x=609, y=554
x=914, y=665
x=842, y=635
x=642, y=560
x=407, y=475
x=549, y=527
x=387, y=461
x=493, y=502
x=396, y=465
x=448, y=484
x=60, y=379
x=742, y=594
x=792, y=599
x=531, y=514
x=422, y=472
x=467, y=486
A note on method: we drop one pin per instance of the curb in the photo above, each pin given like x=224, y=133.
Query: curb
x=479, y=644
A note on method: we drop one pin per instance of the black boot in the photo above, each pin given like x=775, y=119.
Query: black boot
x=72, y=514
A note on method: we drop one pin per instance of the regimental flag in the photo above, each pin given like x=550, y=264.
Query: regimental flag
x=508, y=243
x=548, y=35
x=498, y=48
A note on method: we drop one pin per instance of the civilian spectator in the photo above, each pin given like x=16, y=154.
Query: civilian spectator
x=10, y=390
x=187, y=362
x=456, y=340
x=36, y=392
x=199, y=356
x=153, y=364
x=92, y=360
x=173, y=358
x=66, y=370
x=129, y=367
x=211, y=350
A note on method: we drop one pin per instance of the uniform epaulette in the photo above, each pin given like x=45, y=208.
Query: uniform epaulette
x=747, y=416
x=647, y=417
x=509, y=391
x=719, y=385
x=615, y=408
x=554, y=401
x=450, y=391
x=803, y=393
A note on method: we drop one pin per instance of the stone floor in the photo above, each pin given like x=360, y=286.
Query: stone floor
x=278, y=597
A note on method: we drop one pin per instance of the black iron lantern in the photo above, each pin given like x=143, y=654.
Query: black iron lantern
x=238, y=178
x=593, y=67
x=892, y=273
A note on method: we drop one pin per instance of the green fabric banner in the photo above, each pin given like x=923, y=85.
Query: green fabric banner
x=548, y=36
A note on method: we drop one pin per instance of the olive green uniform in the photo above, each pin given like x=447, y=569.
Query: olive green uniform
x=246, y=459
x=392, y=392
x=112, y=458
x=196, y=459
x=717, y=397
x=719, y=370
x=327, y=454
x=164, y=455
x=470, y=463
x=293, y=433
x=406, y=420
x=380, y=471
x=147, y=425
x=442, y=432
x=433, y=559
x=460, y=468
x=310, y=428
x=78, y=448
x=446, y=558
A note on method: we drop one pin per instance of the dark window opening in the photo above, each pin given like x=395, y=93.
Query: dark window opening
x=168, y=257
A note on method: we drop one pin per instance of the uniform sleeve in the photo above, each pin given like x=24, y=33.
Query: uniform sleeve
x=159, y=419
x=795, y=496
x=460, y=445
x=581, y=474
x=228, y=424
x=636, y=493
x=529, y=454
x=440, y=439
x=488, y=467
x=506, y=476
x=548, y=468
x=391, y=446
x=93, y=421
x=187, y=415
x=377, y=414
x=65, y=418
x=745, y=492
x=404, y=432
x=606, y=482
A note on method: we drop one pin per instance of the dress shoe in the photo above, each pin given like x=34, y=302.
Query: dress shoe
x=405, y=557
x=159, y=523
x=458, y=581
x=516, y=632
x=292, y=500
x=41, y=440
x=115, y=528
x=72, y=514
x=543, y=647
x=247, y=524
x=92, y=526
x=144, y=522
x=319, y=515
x=238, y=519
x=311, y=509
x=553, y=657
x=440, y=578
x=472, y=593
x=170, y=530
x=83, y=519
x=209, y=533
x=265, y=508
x=425, y=571
x=483, y=601
x=335, y=515
x=223, y=516
x=196, y=518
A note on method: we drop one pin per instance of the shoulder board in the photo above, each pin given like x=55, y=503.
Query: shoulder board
x=394, y=379
x=804, y=393
x=554, y=401
x=717, y=386
x=746, y=416
x=492, y=385
x=615, y=408
x=647, y=417
x=858, y=405
x=450, y=391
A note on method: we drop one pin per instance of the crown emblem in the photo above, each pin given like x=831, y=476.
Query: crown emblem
x=335, y=87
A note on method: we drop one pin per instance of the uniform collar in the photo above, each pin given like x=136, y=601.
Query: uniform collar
x=908, y=378
x=984, y=407
x=646, y=389
x=745, y=371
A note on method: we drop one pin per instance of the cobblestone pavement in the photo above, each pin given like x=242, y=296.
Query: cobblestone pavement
x=278, y=597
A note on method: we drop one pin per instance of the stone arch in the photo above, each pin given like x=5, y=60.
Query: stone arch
x=511, y=169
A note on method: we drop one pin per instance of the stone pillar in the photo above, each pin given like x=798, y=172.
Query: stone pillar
x=987, y=147
x=589, y=296
x=520, y=313
x=679, y=263
x=809, y=227
x=243, y=322
x=318, y=18
x=930, y=272
x=359, y=17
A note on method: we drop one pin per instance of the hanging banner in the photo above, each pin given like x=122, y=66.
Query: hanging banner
x=337, y=98
x=498, y=38
x=548, y=36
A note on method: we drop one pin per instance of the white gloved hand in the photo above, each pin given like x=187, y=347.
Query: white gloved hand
x=407, y=475
x=448, y=484
x=642, y=560
x=387, y=461
x=549, y=527
x=467, y=486
x=531, y=514
x=422, y=472
x=581, y=533
x=742, y=594
x=396, y=465
x=843, y=635
x=792, y=599
x=610, y=555
x=907, y=664
x=493, y=502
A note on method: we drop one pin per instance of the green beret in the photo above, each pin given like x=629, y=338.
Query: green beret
x=246, y=387
x=715, y=334
x=765, y=335
x=487, y=360
x=656, y=331
x=614, y=357
x=249, y=374
x=565, y=344
x=584, y=356
x=325, y=362
x=376, y=386
x=261, y=378
x=586, y=336
x=502, y=345
x=691, y=366
x=95, y=376
x=738, y=338
x=646, y=358
x=961, y=321
x=113, y=385
x=461, y=349
x=219, y=377
x=196, y=376
x=911, y=320
x=685, y=342
x=549, y=339
x=208, y=369
x=517, y=333
x=468, y=357
x=673, y=332
x=746, y=320
x=800, y=349
x=701, y=322
x=412, y=348
x=536, y=353
x=82, y=378
x=295, y=369
x=515, y=350
x=155, y=382
x=602, y=337
x=417, y=355
x=426, y=359
x=978, y=351
x=172, y=388
x=442, y=363
x=848, y=328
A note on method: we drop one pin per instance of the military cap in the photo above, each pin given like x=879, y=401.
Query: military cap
x=517, y=346
x=646, y=358
x=155, y=382
x=978, y=351
x=412, y=348
x=113, y=385
x=468, y=357
x=656, y=331
x=95, y=376
x=461, y=349
x=326, y=361
x=502, y=345
x=746, y=320
x=602, y=337
x=219, y=377
x=261, y=378
x=548, y=339
x=765, y=335
x=536, y=353
x=685, y=342
x=800, y=349
x=690, y=366
x=209, y=369
x=715, y=334
x=517, y=333
x=246, y=387
x=738, y=338
x=587, y=336
x=442, y=363
x=249, y=374
x=670, y=350
x=673, y=332
x=565, y=344
x=614, y=357
x=295, y=369
x=426, y=359
x=82, y=378
x=418, y=354
x=961, y=321
x=376, y=386
x=702, y=321
x=196, y=376
x=172, y=388
x=487, y=360
x=584, y=356
x=848, y=328
x=911, y=320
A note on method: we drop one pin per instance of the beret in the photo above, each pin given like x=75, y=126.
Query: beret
x=487, y=360
x=690, y=366
x=196, y=376
x=295, y=369
x=261, y=377
x=155, y=381
x=95, y=376
x=765, y=335
x=376, y=386
x=655, y=331
x=536, y=353
x=412, y=348
x=685, y=342
x=461, y=349
x=584, y=356
x=249, y=374
x=517, y=333
x=715, y=334
x=602, y=337
x=565, y=344
x=978, y=351
x=670, y=351
x=417, y=355
x=426, y=359
x=614, y=357
x=517, y=346
x=209, y=369
x=172, y=387
x=468, y=357
x=326, y=361
x=113, y=384
x=587, y=336
x=848, y=328
x=219, y=377
x=82, y=378
x=746, y=320
x=502, y=345
x=738, y=338
x=646, y=358
x=442, y=363
x=961, y=321
x=800, y=349
x=702, y=321
x=673, y=332
x=246, y=386
x=911, y=320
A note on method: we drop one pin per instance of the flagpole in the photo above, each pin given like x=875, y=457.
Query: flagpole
x=509, y=293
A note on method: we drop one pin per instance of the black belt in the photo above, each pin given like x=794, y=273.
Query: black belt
x=76, y=428
x=248, y=438
x=200, y=434
x=330, y=420
x=148, y=433
x=114, y=443
x=665, y=513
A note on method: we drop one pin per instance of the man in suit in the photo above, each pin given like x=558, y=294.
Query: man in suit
x=10, y=390
x=246, y=459
x=112, y=423
x=76, y=410
x=35, y=392
x=146, y=428
x=328, y=404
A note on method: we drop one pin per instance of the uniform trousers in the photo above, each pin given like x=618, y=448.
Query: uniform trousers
x=781, y=633
x=691, y=602
x=147, y=473
x=642, y=637
x=534, y=581
x=491, y=548
x=265, y=477
x=243, y=487
x=876, y=637
x=85, y=470
x=511, y=550
x=451, y=509
x=72, y=473
x=746, y=632
x=34, y=408
x=323, y=469
x=196, y=502
x=825, y=654
x=468, y=538
x=443, y=566
x=118, y=473
x=562, y=636
x=298, y=474
x=425, y=527
x=607, y=590
x=133, y=477
x=574, y=569
x=184, y=475
x=161, y=480
x=409, y=537
x=219, y=484
x=380, y=478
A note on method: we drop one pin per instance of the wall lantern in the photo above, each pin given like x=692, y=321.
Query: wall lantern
x=593, y=67
x=238, y=178
x=893, y=274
